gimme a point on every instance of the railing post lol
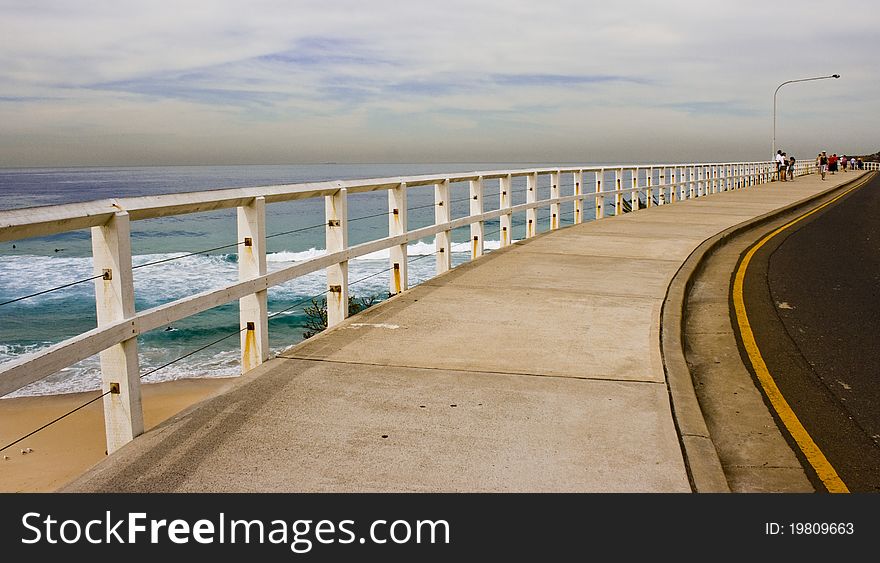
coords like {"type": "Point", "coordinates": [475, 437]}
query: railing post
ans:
{"type": "Point", "coordinates": [682, 182]}
{"type": "Point", "coordinates": [701, 181]}
{"type": "Point", "coordinates": [686, 188]}
{"type": "Point", "coordinates": [618, 197]}
{"type": "Point", "coordinates": [442, 214]}
{"type": "Point", "coordinates": [681, 191]}
{"type": "Point", "coordinates": [554, 193]}
{"type": "Point", "coordinates": [715, 179]}
{"type": "Point", "coordinates": [677, 188]}
{"type": "Point", "coordinates": [661, 197]}
{"type": "Point", "coordinates": [399, 280]}
{"type": "Point", "coordinates": [253, 312]}
{"type": "Point", "coordinates": [477, 229]}
{"type": "Point", "coordinates": [649, 193]}
{"type": "Point", "coordinates": [600, 199]}
{"type": "Point", "coordinates": [577, 179]}
{"type": "Point", "coordinates": [634, 195]}
{"type": "Point", "coordinates": [531, 197]}
{"type": "Point", "coordinates": [704, 180]}
{"type": "Point", "coordinates": [505, 220]}
{"type": "Point", "coordinates": [692, 182]}
{"type": "Point", "coordinates": [114, 297]}
{"type": "Point", "coordinates": [336, 212]}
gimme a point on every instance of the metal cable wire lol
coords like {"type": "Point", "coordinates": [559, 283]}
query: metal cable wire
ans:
{"type": "Point", "coordinates": [383, 214]}
{"type": "Point", "coordinates": [299, 230]}
{"type": "Point", "coordinates": [188, 354]}
{"type": "Point", "coordinates": [29, 434]}
{"type": "Point", "coordinates": [460, 199]}
{"type": "Point", "coordinates": [298, 303]}
{"type": "Point", "coordinates": [186, 255]}
{"type": "Point", "coordinates": [422, 206]}
{"type": "Point", "coordinates": [51, 290]}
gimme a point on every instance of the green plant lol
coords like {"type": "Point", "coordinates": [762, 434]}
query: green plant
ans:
{"type": "Point", "coordinates": [316, 313]}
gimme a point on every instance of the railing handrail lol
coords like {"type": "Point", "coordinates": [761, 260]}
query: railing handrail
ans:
{"type": "Point", "coordinates": [109, 219]}
{"type": "Point", "coordinates": [21, 223]}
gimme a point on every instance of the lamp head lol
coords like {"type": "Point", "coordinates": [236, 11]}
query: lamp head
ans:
{"type": "Point", "coordinates": [835, 76]}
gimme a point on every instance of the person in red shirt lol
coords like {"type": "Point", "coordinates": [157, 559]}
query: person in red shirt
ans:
{"type": "Point", "coordinates": [832, 163]}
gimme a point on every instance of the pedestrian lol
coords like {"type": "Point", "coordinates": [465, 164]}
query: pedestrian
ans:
{"type": "Point", "coordinates": [860, 164]}
{"type": "Point", "coordinates": [780, 165]}
{"type": "Point", "coordinates": [822, 163]}
{"type": "Point", "coordinates": [832, 163]}
{"type": "Point", "coordinates": [843, 162]}
{"type": "Point", "coordinates": [791, 162]}
{"type": "Point", "coordinates": [852, 163]}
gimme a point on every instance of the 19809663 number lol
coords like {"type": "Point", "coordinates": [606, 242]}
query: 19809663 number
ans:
{"type": "Point", "coordinates": [809, 528]}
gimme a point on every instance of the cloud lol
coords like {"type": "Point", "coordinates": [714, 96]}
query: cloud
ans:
{"type": "Point", "coordinates": [562, 80]}
{"type": "Point", "coordinates": [716, 108]}
{"type": "Point", "coordinates": [438, 74]}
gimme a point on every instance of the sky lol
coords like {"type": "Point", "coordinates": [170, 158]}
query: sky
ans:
{"type": "Point", "coordinates": [86, 83]}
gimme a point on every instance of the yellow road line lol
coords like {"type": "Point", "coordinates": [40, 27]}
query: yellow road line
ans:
{"type": "Point", "coordinates": [811, 451]}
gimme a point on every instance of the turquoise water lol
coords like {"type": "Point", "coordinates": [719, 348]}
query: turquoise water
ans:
{"type": "Point", "coordinates": [32, 265]}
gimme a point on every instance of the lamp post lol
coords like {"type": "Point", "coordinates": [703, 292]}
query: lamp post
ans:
{"type": "Point", "coordinates": [774, 102]}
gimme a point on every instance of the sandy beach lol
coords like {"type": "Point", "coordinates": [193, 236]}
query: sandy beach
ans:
{"type": "Point", "coordinates": [66, 449]}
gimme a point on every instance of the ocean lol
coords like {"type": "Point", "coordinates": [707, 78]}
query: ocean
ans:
{"type": "Point", "coordinates": [38, 264]}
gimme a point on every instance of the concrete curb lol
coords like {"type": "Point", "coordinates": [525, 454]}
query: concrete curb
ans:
{"type": "Point", "coordinates": [701, 458]}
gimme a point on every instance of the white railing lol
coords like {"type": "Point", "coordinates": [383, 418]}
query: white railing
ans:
{"type": "Point", "coordinates": [119, 324]}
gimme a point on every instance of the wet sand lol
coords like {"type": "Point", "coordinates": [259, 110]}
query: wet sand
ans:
{"type": "Point", "coordinates": [66, 449]}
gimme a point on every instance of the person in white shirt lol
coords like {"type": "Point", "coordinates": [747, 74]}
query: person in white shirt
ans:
{"type": "Point", "coordinates": [780, 165]}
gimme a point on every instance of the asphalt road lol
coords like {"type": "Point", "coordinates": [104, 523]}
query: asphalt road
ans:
{"type": "Point", "coordinates": [813, 299]}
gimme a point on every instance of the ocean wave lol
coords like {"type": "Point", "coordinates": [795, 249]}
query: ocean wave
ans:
{"type": "Point", "coordinates": [86, 375]}
{"type": "Point", "coordinates": [418, 248]}
{"type": "Point", "coordinates": [167, 281]}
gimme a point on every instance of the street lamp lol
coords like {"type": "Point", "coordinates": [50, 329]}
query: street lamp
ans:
{"type": "Point", "coordinates": [774, 102]}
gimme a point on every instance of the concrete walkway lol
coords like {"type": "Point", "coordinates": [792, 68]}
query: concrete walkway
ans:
{"type": "Point", "coordinates": [535, 368]}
